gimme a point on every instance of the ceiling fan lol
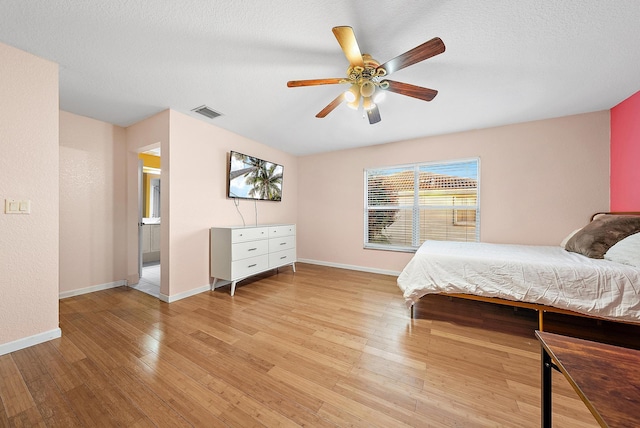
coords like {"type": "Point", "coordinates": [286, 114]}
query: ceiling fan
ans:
{"type": "Point", "coordinates": [367, 76]}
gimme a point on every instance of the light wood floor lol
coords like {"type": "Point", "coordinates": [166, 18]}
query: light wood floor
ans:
{"type": "Point", "coordinates": [323, 347]}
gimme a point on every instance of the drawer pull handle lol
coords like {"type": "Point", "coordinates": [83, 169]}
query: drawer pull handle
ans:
{"type": "Point", "coordinates": [252, 249]}
{"type": "Point", "coordinates": [283, 257]}
{"type": "Point", "coordinates": [253, 265]}
{"type": "Point", "coordinates": [283, 243]}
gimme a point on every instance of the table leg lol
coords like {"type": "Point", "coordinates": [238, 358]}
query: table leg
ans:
{"type": "Point", "coordinates": [546, 389]}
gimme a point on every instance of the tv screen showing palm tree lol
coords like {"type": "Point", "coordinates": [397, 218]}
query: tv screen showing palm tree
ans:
{"type": "Point", "coordinates": [254, 178]}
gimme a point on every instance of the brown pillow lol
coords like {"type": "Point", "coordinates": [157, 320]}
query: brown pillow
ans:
{"type": "Point", "coordinates": [597, 237]}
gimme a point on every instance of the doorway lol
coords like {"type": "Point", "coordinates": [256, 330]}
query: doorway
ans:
{"type": "Point", "coordinates": [149, 222]}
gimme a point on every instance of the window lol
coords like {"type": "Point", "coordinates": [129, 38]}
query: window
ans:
{"type": "Point", "coordinates": [406, 205]}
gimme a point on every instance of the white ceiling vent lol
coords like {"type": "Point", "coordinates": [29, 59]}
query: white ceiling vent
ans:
{"type": "Point", "coordinates": [206, 111]}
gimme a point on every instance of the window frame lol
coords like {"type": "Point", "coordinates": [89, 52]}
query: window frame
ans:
{"type": "Point", "coordinates": [415, 206]}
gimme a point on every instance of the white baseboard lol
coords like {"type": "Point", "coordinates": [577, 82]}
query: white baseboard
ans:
{"type": "Point", "coordinates": [184, 295]}
{"type": "Point", "coordinates": [16, 345]}
{"type": "Point", "coordinates": [350, 267]}
{"type": "Point", "coordinates": [220, 283]}
{"type": "Point", "coordinates": [91, 289]}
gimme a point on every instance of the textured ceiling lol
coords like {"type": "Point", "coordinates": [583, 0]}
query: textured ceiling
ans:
{"type": "Point", "coordinates": [505, 61]}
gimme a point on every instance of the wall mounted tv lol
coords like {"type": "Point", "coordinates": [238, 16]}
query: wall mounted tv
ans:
{"type": "Point", "coordinates": [253, 178]}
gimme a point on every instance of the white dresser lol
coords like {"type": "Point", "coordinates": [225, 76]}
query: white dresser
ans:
{"type": "Point", "coordinates": [240, 252]}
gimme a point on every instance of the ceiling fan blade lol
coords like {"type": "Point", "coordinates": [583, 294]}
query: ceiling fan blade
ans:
{"type": "Point", "coordinates": [314, 82]}
{"type": "Point", "coordinates": [409, 90]}
{"type": "Point", "coordinates": [349, 45]}
{"type": "Point", "coordinates": [374, 115]}
{"type": "Point", "coordinates": [426, 50]}
{"type": "Point", "coordinates": [331, 106]}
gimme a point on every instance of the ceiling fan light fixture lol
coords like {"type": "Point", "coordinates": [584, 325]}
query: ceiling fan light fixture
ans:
{"type": "Point", "coordinates": [367, 88]}
{"type": "Point", "coordinates": [354, 104]}
{"type": "Point", "coordinates": [352, 93]}
{"type": "Point", "coordinates": [378, 96]}
{"type": "Point", "coordinates": [367, 103]}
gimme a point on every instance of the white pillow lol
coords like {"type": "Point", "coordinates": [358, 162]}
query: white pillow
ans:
{"type": "Point", "coordinates": [626, 251]}
{"type": "Point", "coordinates": [565, 240]}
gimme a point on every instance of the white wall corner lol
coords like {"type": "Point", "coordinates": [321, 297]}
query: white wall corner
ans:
{"type": "Point", "coordinates": [180, 296]}
{"type": "Point", "coordinates": [133, 279]}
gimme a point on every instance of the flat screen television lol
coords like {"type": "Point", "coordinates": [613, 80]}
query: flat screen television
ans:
{"type": "Point", "coordinates": [253, 178]}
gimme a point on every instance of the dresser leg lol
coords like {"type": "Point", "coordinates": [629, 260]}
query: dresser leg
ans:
{"type": "Point", "coordinates": [293, 265]}
{"type": "Point", "coordinates": [213, 284]}
{"type": "Point", "coordinates": [233, 287]}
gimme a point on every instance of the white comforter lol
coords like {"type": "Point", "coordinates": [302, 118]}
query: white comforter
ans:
{"type": "Point", "coordinates": [535, 274]}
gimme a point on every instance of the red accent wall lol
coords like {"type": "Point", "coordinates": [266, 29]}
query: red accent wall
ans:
{"type": "Point", "coordinates": [625, 155]}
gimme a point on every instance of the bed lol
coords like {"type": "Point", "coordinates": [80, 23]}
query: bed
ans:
{"type": "Point", "coordinates": [594, 273]}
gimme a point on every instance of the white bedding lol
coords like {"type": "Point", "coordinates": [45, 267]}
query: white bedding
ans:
{"type": "Point", "coordinates": [535, 274]}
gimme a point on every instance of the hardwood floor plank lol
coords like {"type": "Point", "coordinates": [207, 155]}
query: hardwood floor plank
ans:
{"type": "Point", "coordinates": [68, 349]}
{"type": "Point", "coordinates": [51, 403]}
{"type": "Point", "coordinates": [29, 365]}
{"type": "Point", "coordinates": [235, 353]}
{"type": "Point", "coordinates": [169, 390]}
{"type": "Point", "coordinates": [90, 409]}
{"type": "Point", "coordinates": [13, 390]}
{"type": "Point", "coordinates": [380, 386]}
{"type": "Point", "coordinates": [391, 370]}
{"type": "Point", "coordinates": [364, 412]}
{"type": "Point", "coordinates": [158, 411]}
{"type": "Point", "coordinates": [254, 383]}
{"type": "Point", "coordinates": [339, 417]}
{"type": "Point", "coordinates": [323, 347]}
{"type": "Point", "coordinates": [121, 409]}
{"type": "Point", "coordinates": [4, 418]}
{"type": "Point", "coordinates": [28, 419]}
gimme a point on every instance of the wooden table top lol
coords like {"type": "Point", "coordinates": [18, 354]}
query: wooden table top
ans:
{"type": "Point", "coordinates": [606, 377]}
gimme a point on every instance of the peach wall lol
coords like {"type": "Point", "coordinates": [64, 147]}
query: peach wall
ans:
{"type": "Point", "coordinates": [198, 157]}
{"type": "Point", "coordinates": [28, 170]}
{"type": "Point", "coordinates": [539, 181]}
{"type": "Point", "coordinates": [92, 203]}
{"type": "Point", "coordinates": [625, 155]}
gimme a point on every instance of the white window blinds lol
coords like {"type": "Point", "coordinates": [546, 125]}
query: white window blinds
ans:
{"type": "Point", "coordinates": [406, 205]}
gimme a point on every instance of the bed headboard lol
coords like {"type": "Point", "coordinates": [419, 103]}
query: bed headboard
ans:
{"type": "Point", "coordinates": [615, 213]}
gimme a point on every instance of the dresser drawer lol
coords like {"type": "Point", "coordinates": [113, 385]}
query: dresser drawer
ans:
{"type": "Point", "coordinates": [280, 258]}
{"type": "Point", "coordinates": [283, 243]}
{"type": "Point", "coordinates": [243, 250]}
{"type": "Point", "coordinates": [249, 234]}
{"type": "Point", "coordinates": [276, 231]}
{"type": "Point", "coordinates": [250, 266]}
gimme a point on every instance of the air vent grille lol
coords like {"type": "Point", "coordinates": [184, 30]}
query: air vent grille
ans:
{"type": "Point", "coordinates": [206, 111]}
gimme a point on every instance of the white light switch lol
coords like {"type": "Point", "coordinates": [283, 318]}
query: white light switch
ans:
{"type": "Point", "coordinates": [25, 207]}
{"type": "Point", "coordinates": [12, 206]}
